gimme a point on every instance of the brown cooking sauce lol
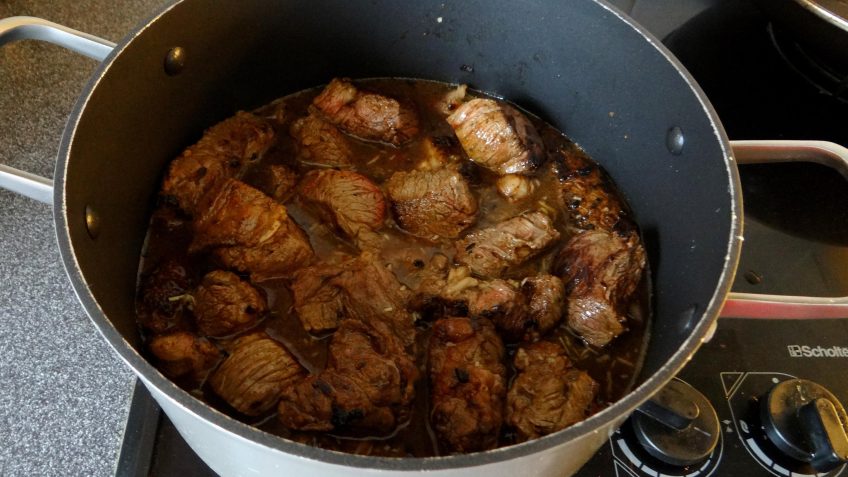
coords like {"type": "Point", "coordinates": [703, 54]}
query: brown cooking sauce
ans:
{"type": "Point", "coordinates": [615, 367]}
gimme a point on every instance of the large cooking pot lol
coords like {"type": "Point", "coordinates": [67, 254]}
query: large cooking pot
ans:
{"type": "Point", "coordinates": [581, 65]}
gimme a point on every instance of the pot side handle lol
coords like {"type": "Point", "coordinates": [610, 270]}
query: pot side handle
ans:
{"type": "Point", "coordinates": [31, 28]}
{"type": "Point", "coordinates": [751, 305]}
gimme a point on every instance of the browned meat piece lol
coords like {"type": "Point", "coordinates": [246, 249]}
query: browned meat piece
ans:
{"type": "Point", "coordinates": [350, 200]}
{"type": "Point", "coordinates": [493, 250]}
{"type": "Point", "coordinates": [467, 384]}
{"type": "Point", "coordinates": [497, 300]}
{"type": "Point", "coordinates": [520, 313]}
{"type": "Point", "coordinates": [366, 115]}
{"type": "Point", "coordinates": [369, 384]}
{"type": "Point", "coordinates": [182, 354]}
{"type": "Point", "coordinates": [547, 394]}
{"type": "Point", "coordinates": [256, 372]}
{"type": "Point", "coordinates": [373, 293]}
{"type": "Point", "coordinates": [587, 194]}
{"type": "Point", "coordinates": [515, 188]}
{"type": "Point", "coordinates": [250, 232]}
{"type": "Point", "coordinates": [317, 301]}
{"type": "Point", "coordinates": [501, 302]}
{"type": "Point", "coordinates": [545, 296]}
{"type": "Point", "coordinates": [320, 143]}
{"type": "Point", "coordinates": [362, 289]}
{"type": "Point", "coordinates": [601, 271]}
{"type": "Point", "coordinates": [446, 291]}
{"type": "Point", "coordinates": [161, 298]}
{"type": "Point", "coordinates": [224, 304]}
{"type": "Point", "coordinates": [438, 152]}
{"type": "Point", "coordinates": [280, 183]}
{"type": "Point", "coordinates": [221, 153]}
{"type": "Point", "coordinates": [491, 299]}
{"type": "Point", "coordinates": [429, 294]}
{"type": "Point", "coordinates": [432, 204]}
{"type": "Point", "coordinates": [497, 136]}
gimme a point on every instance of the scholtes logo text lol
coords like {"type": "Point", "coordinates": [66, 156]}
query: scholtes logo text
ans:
{"type": "Point", "coordinates": [804, 351]}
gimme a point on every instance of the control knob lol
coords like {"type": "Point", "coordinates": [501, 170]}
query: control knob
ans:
{"type": "Point", "coordinates": [678, 426]}
{"type": "Point", "coordinates": [807, 422]}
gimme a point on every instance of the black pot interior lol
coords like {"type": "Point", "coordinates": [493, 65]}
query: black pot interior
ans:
{"type": "Point", "coordinates": [574, 63]}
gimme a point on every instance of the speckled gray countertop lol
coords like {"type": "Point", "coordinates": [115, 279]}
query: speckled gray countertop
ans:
{"type": "Point", "coordinates": [64, 394]}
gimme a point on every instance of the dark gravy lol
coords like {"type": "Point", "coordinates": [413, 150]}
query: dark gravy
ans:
{"type": "Point", "coordinates": [614, 367]}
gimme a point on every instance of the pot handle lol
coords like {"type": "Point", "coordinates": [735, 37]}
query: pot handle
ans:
{"type": "Point", "coordinates": [31, 28]}
{"type": "Point", "coordinates": [751, 305]}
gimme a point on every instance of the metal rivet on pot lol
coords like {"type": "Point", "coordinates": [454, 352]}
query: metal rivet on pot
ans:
{"type": "Point", "coordinates": [175, 61]}
{"type": "Point", "coordinates": [92, 222]}
{"type": "Point", "coordinates": [674, 140]}
{"type": "Point", "coordinates": [753, 277]}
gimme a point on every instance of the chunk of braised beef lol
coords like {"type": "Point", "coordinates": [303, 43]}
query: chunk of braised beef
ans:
{"type": "Point", "coordinates": [362, 288]}
{"type": "Point", "coordinates": [445, 290]}
{"type": "Point", "coordinates": [516, 188]}
{"type": "Point", "coordinates": [372, 292]}
{"type": "Point", "coordinates": [280, 182]}
{"type": "Point", "coordinates": [349, 199]}
{"type": "Point", "coordinates": [222, 153]}
{"type": "Point", "coordinates": [161, 304]}
{"type": "Point", "coordinates": [319, 143]}
{"type": "Point", "coordinates": [497, 136]}
{"type": "Point", "coordinates": [432, 204]}
{"type": "Point", "coordinates": [587, 194]}
{"type": "Point", "coordinates": [547, 394]}
{"type": "Point", "coordinates": [183, 354]}
{"type": "Point", "coordinates": [601, 271]}
{"type": "Point", "coordinates": [225, 304]}
{"type": "Point", "coordinates": [522, 312]}
{"type": "Point", "coordinates": [501, 302]}
{"type": "Point", "coordinates": [493, 251]}
{"type": "Point", "coordinates": [429, 297]}
{"type": "Point", "coordinates": [250, 232]}
{"type": "Point", "coordinates": [368, 384]}
{"type": "Point", "coordinates": [545, 296]}
{"type": "Point", "coordinates": [367, 115]}
{"type": "Point", "coordinates": [317, 301]}
{"type": "Point", "coordinates": [467, 384]}
{"type": "Point", "coordinates": [257, 370]}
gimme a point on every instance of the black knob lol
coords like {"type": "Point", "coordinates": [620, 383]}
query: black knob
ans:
{"type": "Point", "coordinates": [678, 425]}
{"type": "Point", "coordinates": [807, 422]}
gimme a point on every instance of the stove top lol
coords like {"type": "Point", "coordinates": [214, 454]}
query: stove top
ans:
{"type": "Point", "coordinates": [734, 371]}
{"type": "Point", "coordinates": [796, 243]}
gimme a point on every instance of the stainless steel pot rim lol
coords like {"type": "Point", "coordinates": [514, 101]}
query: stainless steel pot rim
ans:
{"type": "Point", "coordinates": [828, 11]}
{"type": "Point", "coordinates": [699, 333]}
